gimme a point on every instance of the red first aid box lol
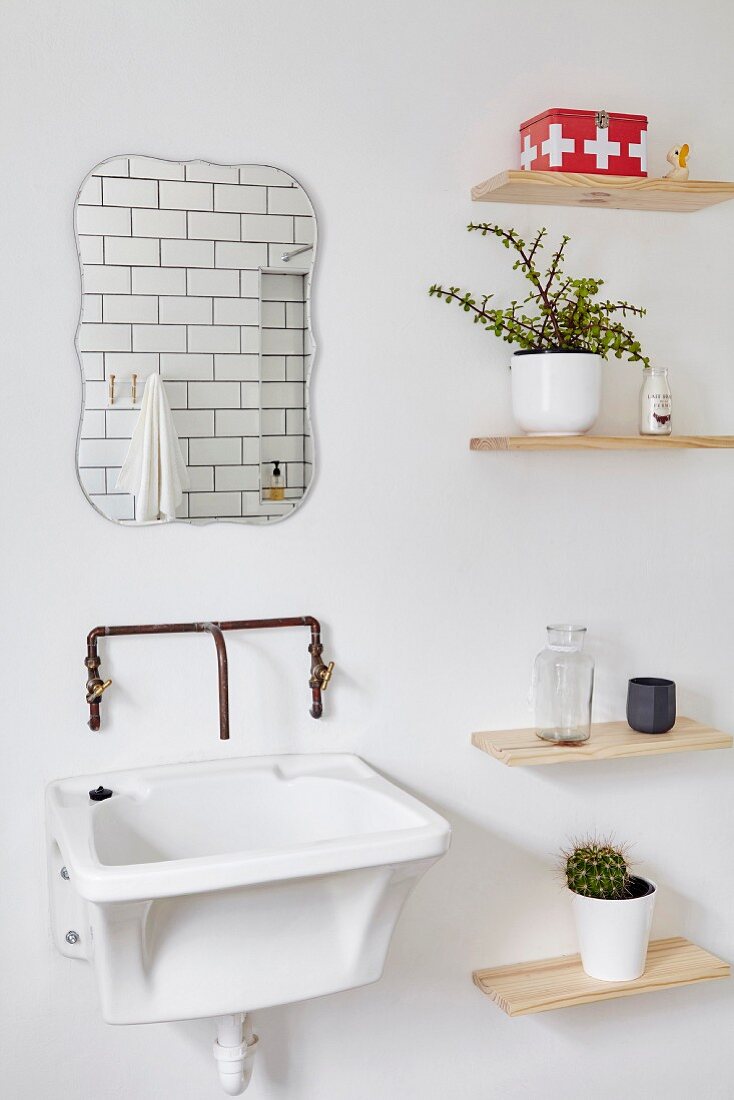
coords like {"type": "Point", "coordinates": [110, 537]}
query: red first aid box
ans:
{"type": "Point", "coordinates": [594, 142]}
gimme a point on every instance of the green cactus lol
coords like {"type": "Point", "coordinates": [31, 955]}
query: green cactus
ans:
{"type": "Point", "coordinates": [597, 869]}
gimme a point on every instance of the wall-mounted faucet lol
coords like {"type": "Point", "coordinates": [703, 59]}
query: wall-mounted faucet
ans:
{"type": "Point", "coordinates": [318, 680]}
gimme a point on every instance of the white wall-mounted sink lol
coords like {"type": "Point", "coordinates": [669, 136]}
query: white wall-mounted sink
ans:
{"type": "Point", "coordinates": [219, 887]}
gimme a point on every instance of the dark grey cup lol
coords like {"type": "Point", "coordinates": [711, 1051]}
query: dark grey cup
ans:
{"type": "Point", "coordinates": [651, 704]}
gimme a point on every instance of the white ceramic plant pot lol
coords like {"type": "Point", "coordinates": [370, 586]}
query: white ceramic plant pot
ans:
{"type": "Point", "coordinates": [613, 935]}
{"type": "Point", "coordinates": [555, 392]}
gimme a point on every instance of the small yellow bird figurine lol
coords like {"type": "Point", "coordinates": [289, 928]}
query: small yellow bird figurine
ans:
{"type": "Point", "coordinates": [678, 157]}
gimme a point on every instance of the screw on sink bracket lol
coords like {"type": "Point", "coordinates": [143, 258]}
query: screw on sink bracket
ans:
{"type": "Point", "coordinates": [64, 874]}
{"type": "Point", "coordinates": [72, 936]}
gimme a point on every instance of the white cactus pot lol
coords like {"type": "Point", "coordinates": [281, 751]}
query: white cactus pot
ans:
{"type": "Point", "coordinates": [613, 935]}
{"type": "Point", "coordinates": [555, 392]}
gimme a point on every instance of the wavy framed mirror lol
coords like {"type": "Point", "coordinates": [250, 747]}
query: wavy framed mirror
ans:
{"type": "Point", "coordinates": [194, 341]}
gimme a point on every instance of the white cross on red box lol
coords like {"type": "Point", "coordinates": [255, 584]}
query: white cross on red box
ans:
{"type": "Point", "coordinates": [556, 145]}
{"type": "Point", "coordinates": [601, 147]}
{"type": "Point", "coordinates": [528, 153]}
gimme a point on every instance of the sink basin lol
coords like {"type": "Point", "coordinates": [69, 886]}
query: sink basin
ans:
{"type": "Point", "coordinates": [225, 886]}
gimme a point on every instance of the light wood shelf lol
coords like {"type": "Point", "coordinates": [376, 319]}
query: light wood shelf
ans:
{"type": "Point", "coordinates": [548, 984]}
{"type": "Point", "coordinates": [609, 741]}
{"type": "Point", "coordinates": [600, 442]}
{"type": "Point", "coordinates": [615, 192]}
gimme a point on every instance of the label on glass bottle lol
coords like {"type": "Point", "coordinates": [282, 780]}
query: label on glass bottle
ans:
{"type": "Point", "coordinates": [656, 406]}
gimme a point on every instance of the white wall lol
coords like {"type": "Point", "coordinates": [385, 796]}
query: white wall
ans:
{"type": "Point", "coordinates": [433, 569]}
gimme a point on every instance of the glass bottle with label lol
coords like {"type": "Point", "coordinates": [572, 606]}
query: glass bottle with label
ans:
{"type": "Point", "coordinates": [656, 405]}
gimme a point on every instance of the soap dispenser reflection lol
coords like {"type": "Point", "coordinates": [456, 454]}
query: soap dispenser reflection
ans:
{"type": "Point", "coordinates": [276, 489]}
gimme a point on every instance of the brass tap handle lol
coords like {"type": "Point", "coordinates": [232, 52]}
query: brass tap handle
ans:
{"type": "Point", "coordinates": [326, 674]}
{"type": "Point", "coordinates": [98, 690]}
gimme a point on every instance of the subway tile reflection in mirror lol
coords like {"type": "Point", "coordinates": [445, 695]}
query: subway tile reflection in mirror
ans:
{"type": "Point", "coordinates": [200, 273]}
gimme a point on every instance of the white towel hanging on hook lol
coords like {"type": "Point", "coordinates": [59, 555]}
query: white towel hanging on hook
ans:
{"type": "Point", "coordinates": [154, 469]}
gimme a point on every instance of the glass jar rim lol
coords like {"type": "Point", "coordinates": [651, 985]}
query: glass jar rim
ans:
{"type": "Point", "coordinates": [567, 628]}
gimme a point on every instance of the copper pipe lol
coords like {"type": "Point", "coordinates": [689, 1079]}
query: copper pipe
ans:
{"type": "Point", "coordinates": [93, 679]}
{"type": "Point", "coordinates": [223, 678]}
{"type": "Point", "coordinates": [319, 673]}
{"type": "Point", "coordinates": [314, 682]}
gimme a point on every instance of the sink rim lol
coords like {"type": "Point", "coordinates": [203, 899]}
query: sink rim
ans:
{"type": "Point", "coordinates": [71, 827]}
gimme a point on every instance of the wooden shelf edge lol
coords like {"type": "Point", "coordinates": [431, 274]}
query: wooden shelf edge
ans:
{"type": "Point", "coordinates": [600, 442]}
{"type": "Point", "coordinates": [615, 192]}
{"type": "Point", "coordinates": [522, 748]}
{"type": "Point", "coordinates": [544, 985]}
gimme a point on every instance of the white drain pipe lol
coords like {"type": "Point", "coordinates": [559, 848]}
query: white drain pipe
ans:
{"type": "Point", "coordinates": [234, 1050]}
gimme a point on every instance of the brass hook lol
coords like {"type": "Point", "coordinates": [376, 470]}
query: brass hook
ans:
{"type": "Point", "coordinates": [134, 388]}
{"type": "Point", "coordinates": [112, 389]}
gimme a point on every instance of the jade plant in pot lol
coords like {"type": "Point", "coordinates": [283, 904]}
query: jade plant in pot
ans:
{"type": "Point", "coordinates": [612, 909]}
{"type": "Point", "coordinates": [562, 330]}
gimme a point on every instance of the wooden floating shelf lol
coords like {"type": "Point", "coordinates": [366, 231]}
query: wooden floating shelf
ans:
{"type": "Point", "coordinates": [615, 192]}
{"type": "Point", "coordinates": [600, 442]}
{"type": "Point", "coordinates": [561, 982]}
{"type": "Point", "coordinates": [608, 741]}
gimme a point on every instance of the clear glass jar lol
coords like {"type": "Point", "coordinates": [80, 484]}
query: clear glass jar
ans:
{"type": "Point", "coordinates": [563, 684]}
{"type": "Point", "coordinates": [656, 405]}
